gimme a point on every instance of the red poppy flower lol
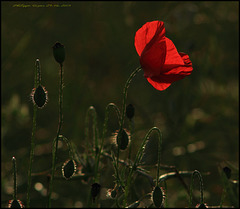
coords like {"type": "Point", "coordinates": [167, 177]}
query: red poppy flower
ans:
{"type": "Point", "coordinates": [159, 58]}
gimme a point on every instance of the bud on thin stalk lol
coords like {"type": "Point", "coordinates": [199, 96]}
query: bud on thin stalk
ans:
{"type": "Point", "coordinates": [59, 52]}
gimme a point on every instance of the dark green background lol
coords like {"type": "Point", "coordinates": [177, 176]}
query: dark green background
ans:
{"type": "Point", "coordinates": [100, 56]}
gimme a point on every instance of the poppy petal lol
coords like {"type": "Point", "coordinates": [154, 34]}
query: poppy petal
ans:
{"type": "Point", "coordinates": [161, 62]}
{"type": "Point", "coordinates": [158, 85]}
{"type": "Point", "coordinates": [151, 47]}
{"type": "Point", "coordinates": [176, 63]}
{"type": "Point", "coordinates": [146, 33]}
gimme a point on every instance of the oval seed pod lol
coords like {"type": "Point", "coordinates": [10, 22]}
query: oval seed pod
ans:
{"type": "Point", "coordinates": [59, 52]}
{"type": "Point", "coordinates": [122, 139]}
{"type": "Point", "coordinates": [39, 96]}
{"type": "Point", "coordinates": [227, 171]}
{"type": "Point", "coordinates": [130, 111]}
{"type": "Point", "coordinates": [95, 190]}
{"type": "Point", "coordinates": [68, 169]}
{"type": "Point", "coordinates": [158, 197]}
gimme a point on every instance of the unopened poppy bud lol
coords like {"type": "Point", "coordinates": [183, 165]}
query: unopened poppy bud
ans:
{"type": "Point", "coordinates": [227, 171]}
{"type": "Point", "coordinates": [130, 111]}
{"type": "Point", "coordinates": [59, 52]}
{"type": "Point", "coordinates": [113, 193]}
{"type": "Point", "coordinates": [68, 169]}
{"type": "Point", "coordinates": [15, 204]}
{"type": "Point", "coordinates": [39, 96]}
{"type": "Point", "coordinates": [158, 197]}
{"type": "Point", "coordinates": [122, 139]}
{"type": "Point", "coordinates": [95, 190]}
{"type": "Point", "coordinates": [202, 205]}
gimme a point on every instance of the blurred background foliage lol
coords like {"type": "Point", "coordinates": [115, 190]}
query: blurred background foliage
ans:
{"type": "Point", "coordinates": [198, 116]}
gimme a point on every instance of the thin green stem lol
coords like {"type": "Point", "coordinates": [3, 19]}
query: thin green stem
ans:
{"type": "Point", "coordinates": [201, 187]}
{"type": "Point", "coordinates": [92, 110]}
{"type": "Point", "coordinates": [166, 195]}
{"type": "Point", "coordinates": [54, 155]}
{"type": "Point", "coordinates": [87, 128]}
{"type": "Point", "coordinates": [104, 131]}
{"type": "Point", "coordinates": [124, 110]}
{"type": "Point", "coordinates": [125, 94]}
{"type": "Point", "coordinates": [131, 134]}
{"type": "Point", "coordinates": [222, 197]}
{"type": "Point", "coordinates": [31, 155]}
{"type": "Point", "coordinates": [14, 178]}
{"type": "Point", "coordinates": [159, 151]}
{"type": "Point", "coordinates": [70, 151]}
{"type": "Point", "coordinates": [37, 81]}
{"type": "Point", "coordinates": [139, 157]}
{"type": "Point", "coordinates": [140, 151]}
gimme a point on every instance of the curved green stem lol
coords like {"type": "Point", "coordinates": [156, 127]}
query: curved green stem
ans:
{"type": "Point", "coordinates": [201, 186]}
{"type": "Point", "coordinates": [140, 151]}
{"type": "Point", "coordinates": [54, 155]}
{"type": "Point", "coordinates": [139, 157]}
{"type": "Point", "coordinates": [70, 151]}
{"type": "Point", "coordinates": [124, 109]}
{"type": "Point", "coordinates": [105, 130]}
{"type": "Point", "coordinates": [125, 94]}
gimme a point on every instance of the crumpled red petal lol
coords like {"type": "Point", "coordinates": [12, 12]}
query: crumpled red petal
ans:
{"type": "Point", "coordinates": [151, 47]}
{"type": "Point", "coordinates": [176, 67]}
{"type": "Point", "coordinates": [176, 73]}
{"type": "Point", "coordinates": [176, 63]}
{"type": "Point", "coordinates": [159, 85]}
{"type": "Point", "coordinates": [159, 58]}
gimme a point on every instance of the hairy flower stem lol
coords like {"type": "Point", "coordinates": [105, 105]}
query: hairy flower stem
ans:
{"type": "Point", "coordinates": [37, 81]}
{"type": "Point", "coordinates": [104, 133]}
{"type": "Point", "coordinates": [139, 157]}
{"type": "Point", "coordinates": [91, 110]}
{"type": "Point", "coordinates": [14, 178]}
{"type": "Point", "coordinates": [125, 94]}
{"type": "Point", "coordinates": [124, 103]}
{"type": "Point", "coordinates": [131, 134]}
{"type": "Point", "coordinates": [54, 154]}
{"type": "Point", "coordinates": [31, 154]}
{"type": "Point", "coordinates": [201, 187]}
